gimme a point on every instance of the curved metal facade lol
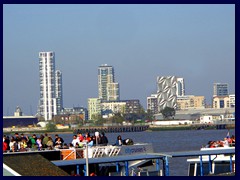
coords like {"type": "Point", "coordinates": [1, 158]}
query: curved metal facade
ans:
{"type": "Point", "coordinates": [167, 92]}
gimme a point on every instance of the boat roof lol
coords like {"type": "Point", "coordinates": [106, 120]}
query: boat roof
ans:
{"type": "Point", "coordinates": [200, 152]}
{"type": "Point", "coordinates": [111, 159]}
{"type": "Point", "coordinates": [217, 159]}
{"type": "Point", "coordinates": [146, 156]}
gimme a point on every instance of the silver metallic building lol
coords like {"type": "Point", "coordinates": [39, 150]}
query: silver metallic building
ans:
{"type": "Point", "coordinates": [166, 92]}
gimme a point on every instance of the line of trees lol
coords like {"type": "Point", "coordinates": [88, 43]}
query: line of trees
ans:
{"type": "Point", "coordinates": [118, 118]}
{"type": "Point", "coordinates": [167, 113]}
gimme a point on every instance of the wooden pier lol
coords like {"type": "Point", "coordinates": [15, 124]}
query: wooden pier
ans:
{"type": "Point", "coordinates": [111, 129]}
{"type": "Point", "coordinates": [212, 126]}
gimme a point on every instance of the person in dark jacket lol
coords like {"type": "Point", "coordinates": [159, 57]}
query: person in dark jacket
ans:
{"type": "Point", "coordinates": [104, 139]}
{"type": "Point", "coordinates": [56, 138]}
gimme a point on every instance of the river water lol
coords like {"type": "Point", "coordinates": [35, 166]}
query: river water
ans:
{"type": "Point", "coordinates": [170, 141]}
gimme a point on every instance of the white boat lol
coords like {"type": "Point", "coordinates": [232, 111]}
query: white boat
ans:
{"type": "Point", "coordinates": [98, 152]}
{"type": "Point", "coordinates": [110, 151]}
{"type": "Point", "coordinates": [212, 164]}
{"type": "Point", "coordinates": [106, 151]}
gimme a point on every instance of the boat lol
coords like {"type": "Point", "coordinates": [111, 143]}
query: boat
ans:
{"type": "Point", "coordinates": [135, 159]}
{"type": "Point", "coordinates": [97, 152]}
{"type": "Point", "coordinates": [216, 164]}
{"type": "Point", "coordinates": [73, 161]}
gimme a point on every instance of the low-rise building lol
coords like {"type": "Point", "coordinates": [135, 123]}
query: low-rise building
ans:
{"type": "Point", "coordinates": [206, 119]}
{"type": "Point", "coordinates": [190, 102]}
{"type": "Point", "coordinates": [94, 107]}
{"type": "Point", "coordinates": [152, 104]}
{"type": "Point", "coordinates": [19, 120]}
{"type": "Point", "coordinates": [114, 106]}
{"type": "Point", "coordinates": [223, 102]}
{"type": "Point", "coordinates": [132, 106]}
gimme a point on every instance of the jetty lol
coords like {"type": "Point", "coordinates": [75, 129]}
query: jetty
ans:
{"type": "Point", "coordinates": [111, 129]}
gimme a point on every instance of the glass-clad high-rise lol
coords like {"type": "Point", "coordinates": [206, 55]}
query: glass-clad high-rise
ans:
{"type": "Point", "coordinates": [220, 89]}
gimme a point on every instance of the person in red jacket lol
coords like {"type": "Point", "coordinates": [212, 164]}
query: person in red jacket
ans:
{"type": "Point", "coordinates": [5, 146]}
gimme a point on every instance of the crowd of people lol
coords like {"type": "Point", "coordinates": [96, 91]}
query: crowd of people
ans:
{"type": "Point", "coordinates": [226, 142]}
{"type": "Point", "coordinates": [79, 140]}
{"type": "Point", "coordinates": [21, 143]}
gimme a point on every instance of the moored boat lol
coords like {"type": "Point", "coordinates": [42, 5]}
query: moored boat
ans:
{"type": "Point", "coordinates": [216, 164]}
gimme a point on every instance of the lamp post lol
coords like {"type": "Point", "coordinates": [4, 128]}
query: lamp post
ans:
{"type": "Point", "coordinates": [87, 168]}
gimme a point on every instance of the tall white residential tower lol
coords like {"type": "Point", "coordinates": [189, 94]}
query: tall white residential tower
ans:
{"type": "Point", "coordinates": [50, 86]}
{"type": "Point", "coordinates": [108, 89]}
{"type": "Point", "coordinates": [180, 86]}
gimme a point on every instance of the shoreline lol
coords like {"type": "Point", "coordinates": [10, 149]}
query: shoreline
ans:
{"type": "Point", "coordinates": [150, 129]}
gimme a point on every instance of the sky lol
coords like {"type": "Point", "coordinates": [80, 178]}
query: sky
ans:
{"type": "Point", "coordinates": [141, 41]}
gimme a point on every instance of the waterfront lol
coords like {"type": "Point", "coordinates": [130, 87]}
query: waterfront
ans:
{"type": "Point", "coordinates": [169, 141]}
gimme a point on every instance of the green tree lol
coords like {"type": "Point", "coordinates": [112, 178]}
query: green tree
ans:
{"type": "Point", "coordinates": [51, 127]}
{"type": "Point", "coordinates": [168, 112]}
{"type": "Point", "coordinates": [118, 118]}
{"type": "Point", "coordinates": [149, 115]}
{"type": "Point", "coordinates": [100, 122]}
{"type": "Point", "coordinates": [96, 117]}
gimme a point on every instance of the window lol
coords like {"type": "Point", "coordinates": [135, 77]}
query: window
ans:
{"type": "Point", "coordinates": [221, 103]}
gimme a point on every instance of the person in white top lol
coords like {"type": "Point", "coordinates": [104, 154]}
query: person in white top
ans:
{"type": "Point", "coordinates": [225, 143]}
{"type": "Point", "coordinates": [75, 140]}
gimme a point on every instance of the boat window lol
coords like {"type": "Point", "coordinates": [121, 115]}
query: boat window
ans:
{"type": "Point", "coordinates": [222, 167]}
{"type": "Point", "coordinates": [191, 169]}
{"type": "Point", "coordinates": [205, 169]}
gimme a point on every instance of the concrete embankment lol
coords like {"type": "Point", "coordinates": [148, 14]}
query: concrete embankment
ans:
{"type": "Point", "coordinates": [191, 127]}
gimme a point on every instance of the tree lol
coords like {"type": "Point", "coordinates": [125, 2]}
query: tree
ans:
{"type": "Point", "coordinates": [51, 127]}
{"type": "Point", "coordinates": [118, 118]}
{"type": "Point", "coordinates": [96, 117]}
{"type": "Point", "coordinates": [100, 122]}
{"type": "Point", "coordinates": [149, 115]}
{"type": "Point", "coordinates": [168, 112]}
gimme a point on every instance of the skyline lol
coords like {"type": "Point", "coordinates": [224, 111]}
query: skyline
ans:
{"type": "Point", "coordinates": [141, 42]}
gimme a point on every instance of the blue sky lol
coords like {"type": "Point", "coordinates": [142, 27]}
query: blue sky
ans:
{"type": "Point", "coordinates": [141, 42]}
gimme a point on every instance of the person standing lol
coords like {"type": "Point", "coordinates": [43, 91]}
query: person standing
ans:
{"type": "Point", "coordinates": [80, 137]}
{"type": "Point", "coordinates": [45, 140]}
{"type": "Point", "coordinates": [50, 143]}
{"type": "Point", "coordinates": [5, 146]}
{"type": "Point", "coordinates": [33, 140]}
{"type": "Point", "coordinates": [97, 138]}
{"type": "Point", "coordinates": [87, 137]}
{"type": "Point", "coordinates": [56, 138]}
{"type": "Point", "coordinates": [58, 143]}
{"type": "Point", "coordinates": [104, 139]}
{"type": "Point", "coordinates": [7, 141]}
{"type": "Point", "coordinates": [75, 140]}
{"type": "Point", "coordinates": [13, 145]}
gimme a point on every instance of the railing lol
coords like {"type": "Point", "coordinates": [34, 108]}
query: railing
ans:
{"type": "Point", "coordinates": [93, 152]}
